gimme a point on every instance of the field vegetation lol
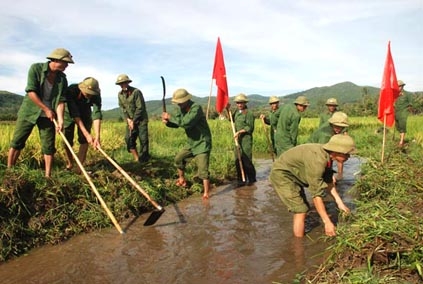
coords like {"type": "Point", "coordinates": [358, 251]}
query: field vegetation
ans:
{"type": "Point", "coordinates": [380, 242]}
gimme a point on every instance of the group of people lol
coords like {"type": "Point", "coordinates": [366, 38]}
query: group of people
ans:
{"type": "Point", "coordinates": [54, 106]}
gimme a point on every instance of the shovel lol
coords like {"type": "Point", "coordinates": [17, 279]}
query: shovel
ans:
{"type": "Point", "coordinates": [155, 215]}
{"type": "Point", "coordinates": [103, 204]}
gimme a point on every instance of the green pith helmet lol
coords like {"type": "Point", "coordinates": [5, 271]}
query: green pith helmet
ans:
{"type": "Point", "coordinates": [340, 143]}
{"type": "Point", "coordinates": [401, 83]}
{"type": "Point", "coordinates": [301, 100]}
{"type": "Point", "coordinates": [181, 96]}
{"type": "Point", "coordinates": [61, 54]}
{"type": "Point", "coordinates": [332, 102]}
{"type": "Point", "coordinates": [273, 99]}
{"type": "Point", "coordinates": [339, 118]}
{"type": "Point", "coordinates": [122, 78]}
{"type": "Point", "coordinates": [241, 98]}
{"type": "Point", "coordinates": [90, 86]}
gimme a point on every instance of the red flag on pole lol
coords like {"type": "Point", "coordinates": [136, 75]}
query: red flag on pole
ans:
{"type": "Point", "coordinates": [219, 74]}
{"type": "Point", "coordinates": [389, 91]}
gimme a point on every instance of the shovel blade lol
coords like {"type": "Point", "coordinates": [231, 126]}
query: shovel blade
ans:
{"type": "Point", "coordinates": [154, 216]}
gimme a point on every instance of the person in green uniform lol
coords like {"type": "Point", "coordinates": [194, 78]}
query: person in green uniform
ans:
{"type": "Point", "coordinates": [243, 120]}
{"type": "Point", "coordinates": [43, 103]}
{"type": "Point", "coordinates": [308, 165]}
{"type": "Point", "coordinates": [191, 118]}
{"type": "Point", "coordinates": [335, 125]}
{"type": "Point", "coordinates": [332, 107]}
{"type": "Point", "coordinates": [272, 118]}
{"type": "Point", "coordinates": [287, 127]}
{"type": "Point", "coordinates": [403, 106]}
{"type": "Point", "coordinates": [132, 105]}
{"type": "Point", "coordinates": [80, 98]}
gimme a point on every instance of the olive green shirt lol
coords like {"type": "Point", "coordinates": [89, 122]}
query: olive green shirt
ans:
{"type": "Point", "coordinates": [324, 117]}
{"type": "Point", "coordinates": [77, 105]}
{"type": "Point", "coordinates": [322, 134]}
{"type": "Point", "coordinates": [305, 165]}
{"type": "Point", "coordinates": [37, 76]}
{"type": "Point", "coordinates": [272, 120]}
{"type": "Point", "coordinates": [403, 102]}
{"type": "Point", "coordinates": [245, 120]}
{"type": "Point", "coordinates": [194, 122]}
{"type": "Point", "coordinates": [132, 105]}
{"type": "Point", "coordinates": [287, 128]}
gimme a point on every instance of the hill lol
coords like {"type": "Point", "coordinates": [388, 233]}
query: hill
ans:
{"type": "Point", "coordinates": [353, 99]}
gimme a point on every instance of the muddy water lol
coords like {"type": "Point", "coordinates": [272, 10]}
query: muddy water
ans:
{"type": "Point", "coordinates": [239, 236]}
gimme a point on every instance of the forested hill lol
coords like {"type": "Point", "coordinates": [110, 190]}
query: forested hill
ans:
{"type": "Point", "coordinates": [353, 99]}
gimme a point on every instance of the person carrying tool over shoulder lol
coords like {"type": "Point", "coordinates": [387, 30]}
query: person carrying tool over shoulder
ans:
{"type": "Point", "coordinates": [80, 98]}
{"type": "Point", "coordinates": [191, 118]}
{"type": "Point", "coordinates": [43, 103]}
{"type": "Point", "coordinates": [134, 111]}
{"type": "Point", "coordinates": [310, 165]}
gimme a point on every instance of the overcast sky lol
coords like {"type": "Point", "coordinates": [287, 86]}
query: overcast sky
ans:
{"type": "Point", "coordinates": [271, 47]}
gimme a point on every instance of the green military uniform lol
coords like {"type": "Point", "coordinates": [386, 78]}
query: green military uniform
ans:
{"type": "Point", "coordinates": [272, 120]}
{"type": "Point", "coordinates": [30, 114]}
{"type": "Point", "coordinates": [80, 106]}
{"type": "Point", "coordinates": [322, 134]}
{"type": "Point", "coordinates": [193, 121]}
{"type": "Point", "coordinates": [402, 103]}
{"type": "Point", "coordinates": [245, 120]}
{"type": "Point", "coordinates": [287, 128]}
{"type": "Point", "coordinates": [132, 105]}
{"type": "Point", "coordinates": [306, 165]}
{"type": "Point", "coordinates": [324, 117]}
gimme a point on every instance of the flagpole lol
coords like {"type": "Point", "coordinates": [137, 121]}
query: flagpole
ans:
{"type": "Point", "coordinates": [384, 138]}
{"type": "Point", "coordinates": [208, 103]}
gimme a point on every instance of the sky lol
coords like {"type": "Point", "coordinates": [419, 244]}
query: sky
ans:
{"type": "Point", "coordinates": [270, 47]}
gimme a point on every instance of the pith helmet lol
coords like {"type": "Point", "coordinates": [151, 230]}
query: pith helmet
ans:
{"type": "Point", "coordinates": [241, 98]}
{"type": "Point", "coordinates": [339, 118]}
{"type": "Point", "coordinates": [90, 86]}
{"type": "Point", "coordinates": [61, 54]}
{"type": "Point", "coordinates": [340, 143]}
{"type": "Point", "coordinates": [180, 96]}
{"type": "Point", "coordinates": [122, 78]}
{"type": "Point", "coordinates": [301, 100]}
{"type": "Point", "coordinates": [332, 102]}
{"type": "Point", "coordinates": [401, 83]}
{"type": "Point", "coordinates": [273, 99]}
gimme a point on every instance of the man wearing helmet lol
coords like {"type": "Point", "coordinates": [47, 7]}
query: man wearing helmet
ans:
{"type": "Point", "coordinates": [191, 118]}
{"type": "Point", "coordinates": [43, 103]}
{"type": "Point", "coordinates": [132, 105]}
{"type": "Point", "coordinates": [331, 105]}
{"type": "Point", "coordinates": [272, 118]}
{"type": "Point", "coordinates": [244, 128]}
{"type": "Point", "coordinates": [337, 124]}
{"type": "Point", "coordinates": [80, 98]}
{"type": "Point", "coordinates": [403, 106]}
{"type": "Point", "coordinates": [307, 165]}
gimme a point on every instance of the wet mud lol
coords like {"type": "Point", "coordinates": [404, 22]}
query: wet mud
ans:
{"type": "Point", "coordinates": [241, 235]}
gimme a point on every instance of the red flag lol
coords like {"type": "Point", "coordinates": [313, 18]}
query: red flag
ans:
{"type": "Point", "coordinates": [219, 74]}
{"type": "Point", "coordinates": [389, 91]}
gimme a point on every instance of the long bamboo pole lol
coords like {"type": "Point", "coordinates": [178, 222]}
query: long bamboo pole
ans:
{"type": "Point", "coordinates": [103, 204]}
